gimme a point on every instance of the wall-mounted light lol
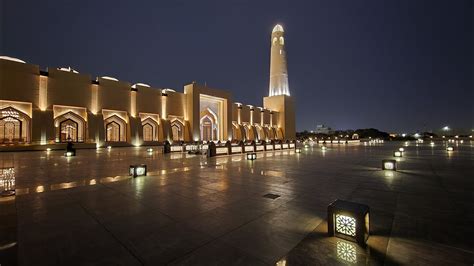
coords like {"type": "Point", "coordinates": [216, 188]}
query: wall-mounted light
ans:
{"type": "Point", "coordinates": [349, 220]}
{"type": "Point", "coordinates": [137, 170]}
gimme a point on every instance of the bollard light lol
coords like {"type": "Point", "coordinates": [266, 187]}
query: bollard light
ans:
{"type": "Point", "coordinates": [349, 220]}
{"type": "Point", "coordinates": [109, 147]}
{"type": "Point", "coordinates": [323, 148]}
{"type": "Point", "coordinates": [251, 156]}
{"type": "Point", "coordinates": [432, 143]}
{"type": "Point", "coordinates": [149, 150]}
{"type": "Point", "coordinates": [449, 148]}
{"type": "Point", "coordinates": [389, 165]}
{"type": "Point", "coordinates": [69, 154]}
{"type": "Point", "coordinates": [298, 150]}
{"type": "Point", "coordinates": [137, 170]}
{"type": "Point", "coordinates": [397, 154]}
{"type": "Point", "coordinates": [48, 149]}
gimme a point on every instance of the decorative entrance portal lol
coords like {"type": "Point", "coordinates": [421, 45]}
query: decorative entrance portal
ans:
{"type": "Point", "coordinates": [14, 126]}
{"type": "Point", "coordinates": [211, 118]}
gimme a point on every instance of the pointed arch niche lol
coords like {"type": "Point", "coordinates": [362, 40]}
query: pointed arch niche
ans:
{"type": "Point", "coordinates": [151, 126]}
{"type": "Point", "coordinates": [14, 126]}
{"type": "Point", "coordinates": [115, 123]}
{"type": "Point", "coordinates": [209, 125]}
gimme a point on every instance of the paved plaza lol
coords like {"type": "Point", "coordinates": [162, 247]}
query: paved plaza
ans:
{"type": "Point", "coordinates": [193, 210]}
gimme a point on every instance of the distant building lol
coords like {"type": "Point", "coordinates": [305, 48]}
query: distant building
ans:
{"type": "Point", "coordinates": [323, 129]}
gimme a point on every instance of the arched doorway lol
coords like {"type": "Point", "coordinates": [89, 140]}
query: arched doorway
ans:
{"type": "Point", "coordinates": [70, 127]}
{"type": "Point", "coordinates": [150, 129]}
{"type": "Point", "coordinates": [14, 126]}
{"type": "Point", "coordinates": [177, 130]}
{"type": "Point", "coordinates": [260, 133]}
{"type": "Point", "coordinates": [209, 125]}
{"type": "Point", "coordinates": [115, 129]}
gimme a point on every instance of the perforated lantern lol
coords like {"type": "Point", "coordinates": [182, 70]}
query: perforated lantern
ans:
{"type": "Point", "coordinates": [137, 170]}
{"type": "Point", "coordinates": [251, 156]}
{"type": "Point", "coordinates": [349, 220]}
{"type": "Point", "coordinates": [389, 165]}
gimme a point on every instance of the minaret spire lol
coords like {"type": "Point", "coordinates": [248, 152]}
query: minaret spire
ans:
{"type": "Point", "coordinates": [278, 70]}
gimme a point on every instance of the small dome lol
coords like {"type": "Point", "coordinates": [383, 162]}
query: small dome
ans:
{"type": "Point", "coordinates": [278, 28]}
{"type": "Point", "coordinates": [4, 57]}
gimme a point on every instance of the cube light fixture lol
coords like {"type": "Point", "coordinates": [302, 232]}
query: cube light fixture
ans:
{"type": "Point", "coordinates": [389, 165]}
{"type": "Point", "coordinates": [138, 170]}
{"type": "Point", "coordinates": [349, 220]}
{"type": "Point", "coordinates": [397, 154]}
{"type": "Point", "coordinates": [251, 156]}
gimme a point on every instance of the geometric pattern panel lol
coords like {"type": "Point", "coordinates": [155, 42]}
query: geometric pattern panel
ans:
{"type": "Point", "coordinates": [345, 225]}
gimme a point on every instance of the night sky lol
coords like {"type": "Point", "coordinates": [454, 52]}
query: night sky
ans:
{"type": "Point", "coordinates": [398, 66]}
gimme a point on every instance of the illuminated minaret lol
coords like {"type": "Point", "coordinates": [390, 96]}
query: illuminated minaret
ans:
{"type": "Point", "coordinates": [279, 101]}
{"type": "Point", "coordinates": [278, 70]}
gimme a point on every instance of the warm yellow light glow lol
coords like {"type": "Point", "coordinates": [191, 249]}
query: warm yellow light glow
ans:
{"type": "Point", "coordinates": [43, 93]}
{"type": "Point", "coordinates": [449, 148]}
{"type": "Point", "coordinates": [94, 99]}
{"type": "Point", "coordinates": [133, 103]}
{"type": "Point", "coordinates": [39, 189]}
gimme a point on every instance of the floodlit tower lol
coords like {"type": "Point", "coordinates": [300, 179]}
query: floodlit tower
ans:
{"type": "Point", "coordinates": [279, 99]}
{"type": "Point", "coordinates": [278, 70]}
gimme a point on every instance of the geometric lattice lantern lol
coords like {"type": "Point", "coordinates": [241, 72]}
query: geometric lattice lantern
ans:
{"type": "Point", "coordinates": [137, 170]}
{"type": "Point", "coordinates": [349, 220]}
{"type": "Point", "coordinates": [389, 165]}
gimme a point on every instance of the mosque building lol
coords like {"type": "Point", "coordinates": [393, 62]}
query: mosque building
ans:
{"type": "Point", "coordinates": [61, 105]}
